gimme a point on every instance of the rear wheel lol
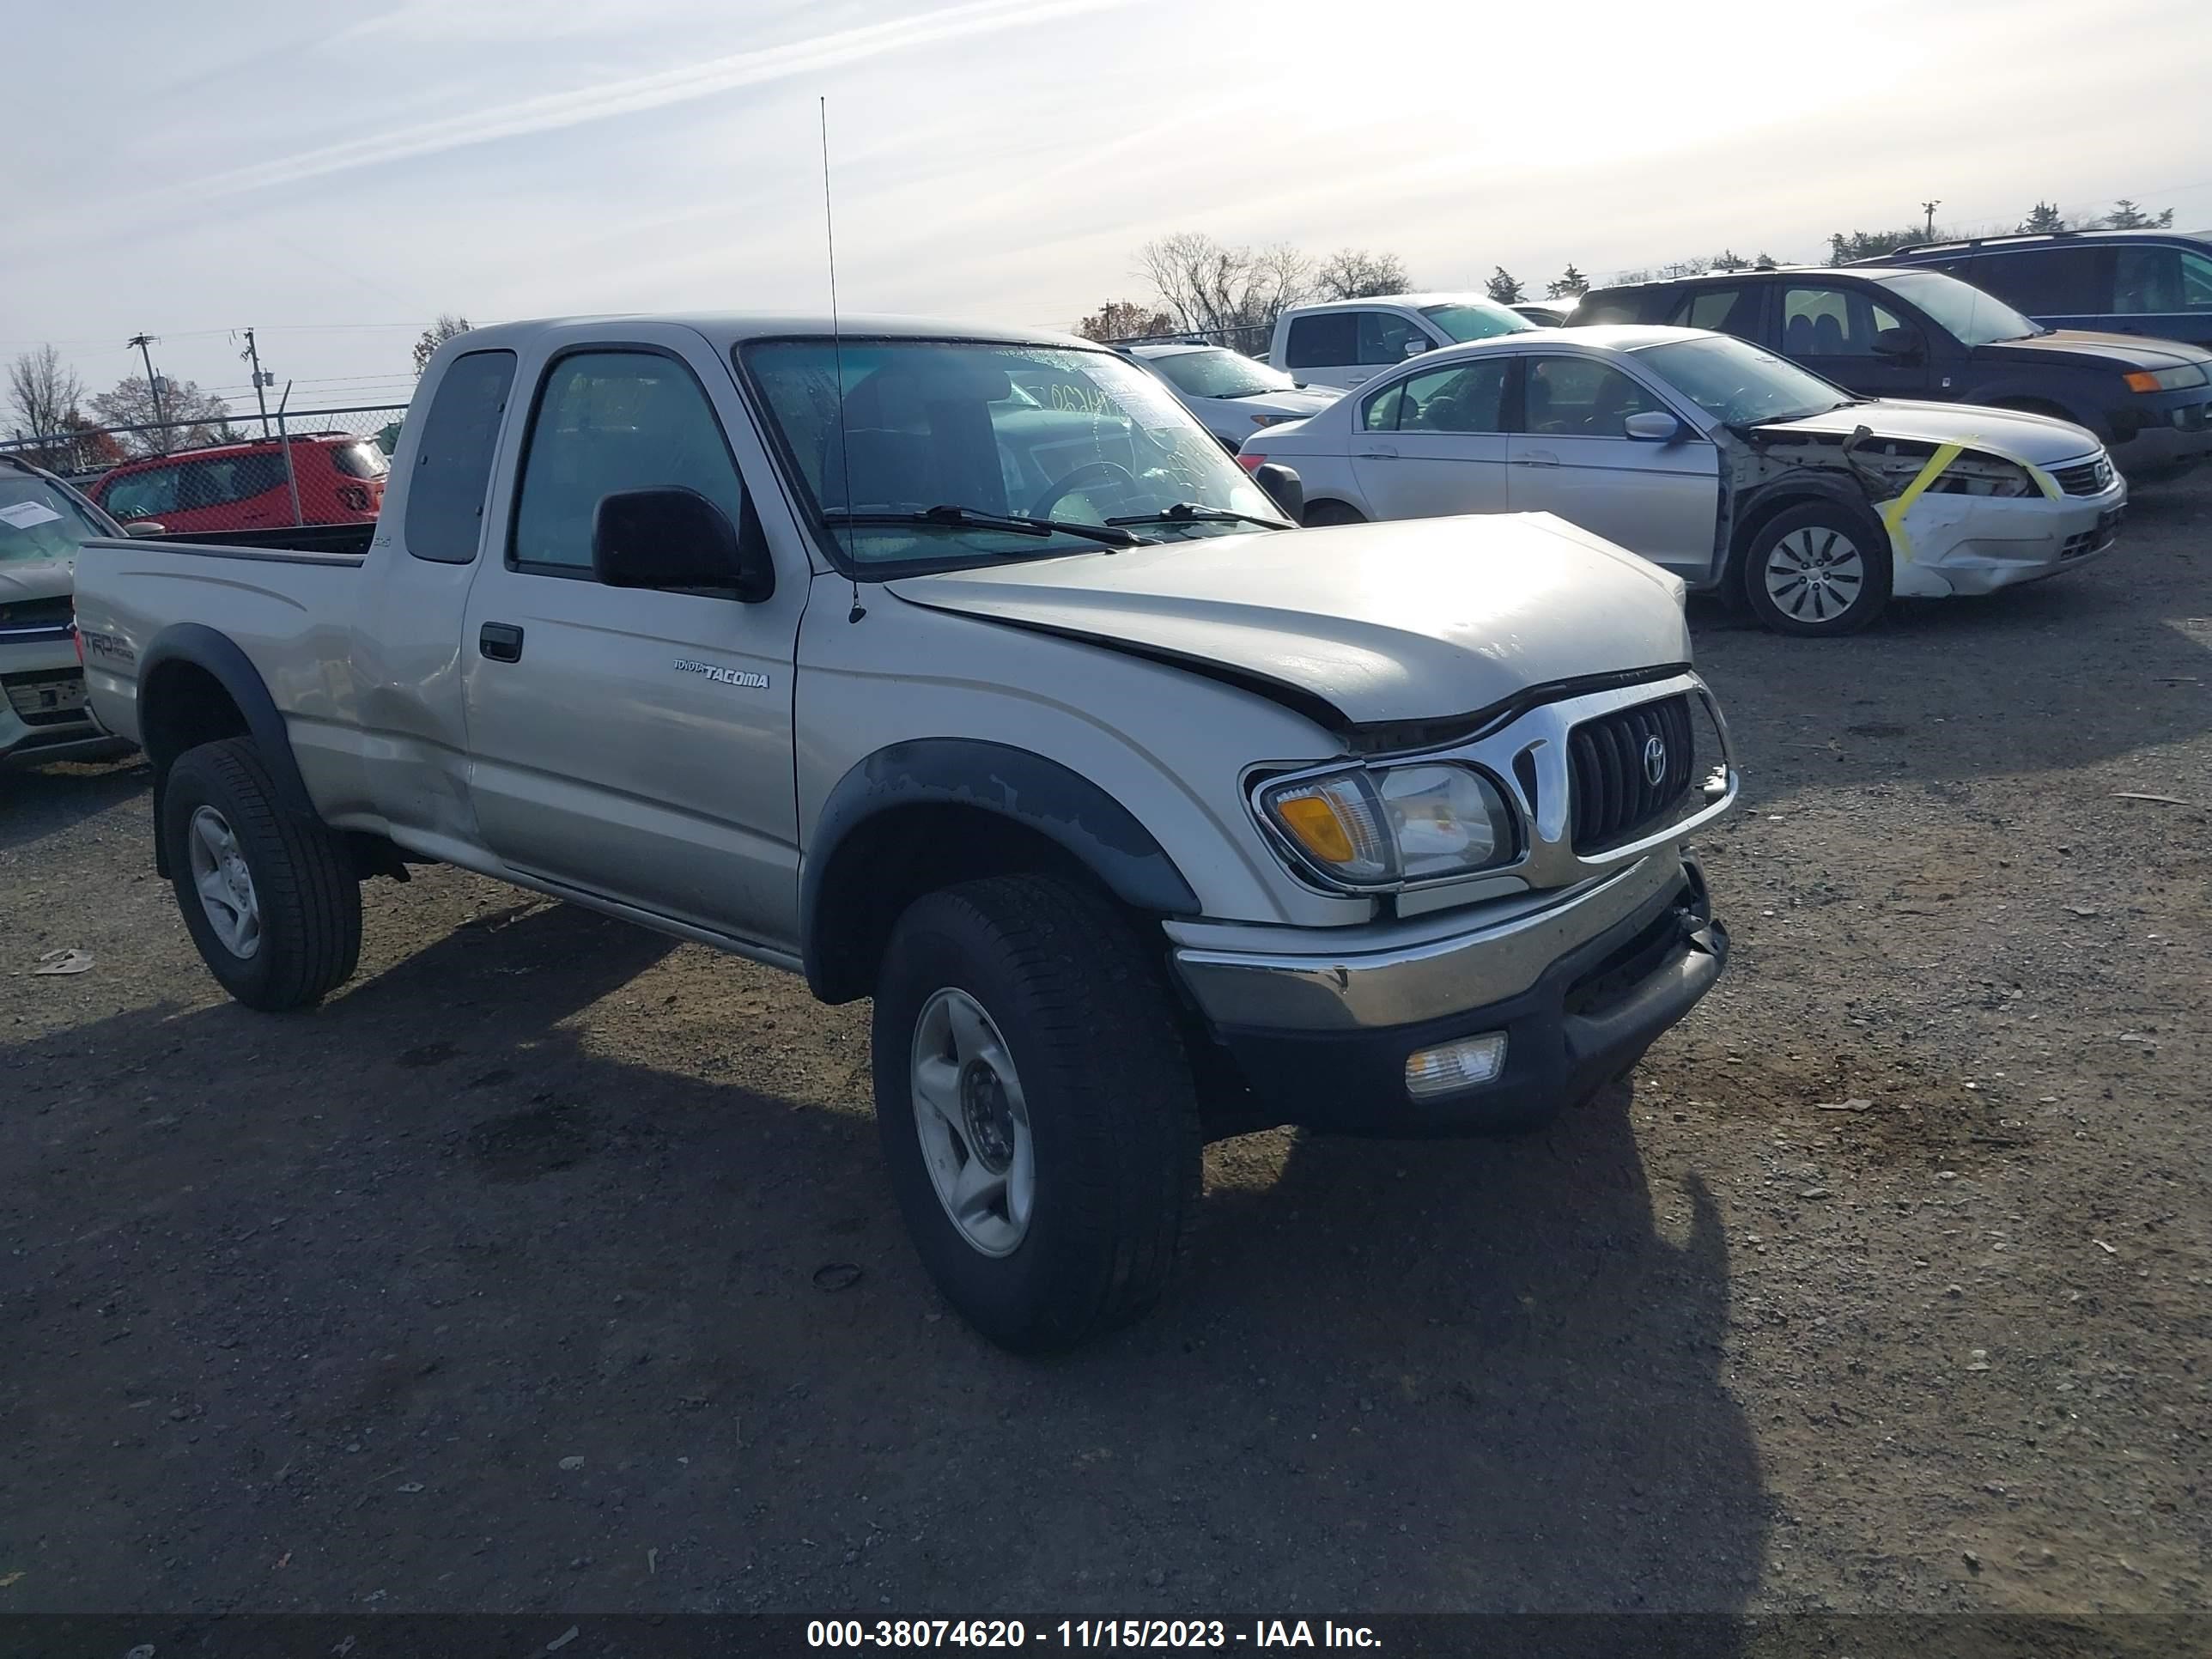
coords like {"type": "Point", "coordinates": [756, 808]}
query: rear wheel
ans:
{"type": "Point", "coordinates": [1037, 1109]}
{"type": "Point", "coordinates": [1818, 569]}
{"type": "Point", "coordinates": [270, 899]}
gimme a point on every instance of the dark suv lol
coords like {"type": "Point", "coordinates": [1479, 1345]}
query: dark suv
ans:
{"type": "Point", "coordinates": [2157, 282]}
{"type": "Point", "coordinates": [1885, 331]}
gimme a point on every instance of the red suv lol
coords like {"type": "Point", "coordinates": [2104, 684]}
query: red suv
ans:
{"type": "Point", "coordinates": [243, 486]}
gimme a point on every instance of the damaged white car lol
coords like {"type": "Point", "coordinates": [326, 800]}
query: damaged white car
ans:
{"type": "Point", "coordinates": [1736, 470]}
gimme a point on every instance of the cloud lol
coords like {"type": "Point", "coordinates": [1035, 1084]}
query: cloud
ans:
{"type": "Point", "coordinates": [633, 94]}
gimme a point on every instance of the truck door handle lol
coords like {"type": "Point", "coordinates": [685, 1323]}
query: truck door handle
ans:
{"type": "Point", "coordinates": [500, 642]}
{"type": "Point", "coordinates": [1536, 458]}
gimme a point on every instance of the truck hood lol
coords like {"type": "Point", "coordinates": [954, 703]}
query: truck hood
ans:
{"type": "Point", "coordinates": [2120, 352]}
{"type": "Point", "coordinates": [1419, 620]}
{"type": "Point", "coordinates": [2040, 438]}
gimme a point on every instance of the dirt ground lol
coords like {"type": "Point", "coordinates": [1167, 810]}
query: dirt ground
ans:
{"type": "Point", "coordinates": [550, 1266]}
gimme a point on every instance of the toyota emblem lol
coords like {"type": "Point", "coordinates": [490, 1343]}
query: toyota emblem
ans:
{"type": "Point", "coordinates": [1655, 761]}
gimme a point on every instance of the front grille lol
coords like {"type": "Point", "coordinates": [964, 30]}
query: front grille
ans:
{"type": "Point", "coordinates": [1615, 798]}
{"type": "Point", "coordinates": [2093, 540]}
{"type": "Point", "coordinates": [2091, 477]}
{"type": "Point", "coordinates": [46, 696]}
{"type": "Point", "coordinates": [35, 614]}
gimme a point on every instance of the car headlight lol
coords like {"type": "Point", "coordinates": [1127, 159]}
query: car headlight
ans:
{"type": "Point", "coordinates": [2176, 378]}
{"type": "Point", "coordinates": [1379, 827]}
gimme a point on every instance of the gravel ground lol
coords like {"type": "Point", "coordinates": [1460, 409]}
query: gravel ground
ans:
{"type": "Point", "coordinates": [550, 1265]}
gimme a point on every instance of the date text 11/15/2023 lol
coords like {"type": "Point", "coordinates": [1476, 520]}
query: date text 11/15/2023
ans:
{"type": "Point", "coordinates": [1085, 1633]}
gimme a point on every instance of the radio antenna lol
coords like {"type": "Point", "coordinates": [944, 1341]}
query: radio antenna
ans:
{"type": "Point", "coordinates": [837, 355]}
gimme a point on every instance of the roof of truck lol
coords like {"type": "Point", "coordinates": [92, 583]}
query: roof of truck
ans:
{"type": "Point", "coordinates": [724, 329]}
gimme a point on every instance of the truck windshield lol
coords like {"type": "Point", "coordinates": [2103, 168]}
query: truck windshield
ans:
{"type": "Point", "coordinates": [1738, 384]}
{"type": "Point", "coordinates": [1973, 317]}
{"type": "Point", "coordinates": [1037, 433]}
{"type": "Point", "coordinates": [1476, 319]}
{"type": "Point", "coordinates": [39, 521]}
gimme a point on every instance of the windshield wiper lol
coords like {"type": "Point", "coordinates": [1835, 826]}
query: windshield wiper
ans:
{"type": "Point", "coordinates": [1192, 512]}
{"type": "Point", "coordinates": [968, 518]}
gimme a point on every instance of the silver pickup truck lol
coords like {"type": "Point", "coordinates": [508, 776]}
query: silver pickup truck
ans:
{"type": "Point", "coordinates": [961, 669]}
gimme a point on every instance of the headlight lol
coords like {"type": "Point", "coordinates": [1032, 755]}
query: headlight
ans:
{"type": "Point", "coordinates": [2182, 375]}
{"type": "Point", "coordinates": [1387, 826]}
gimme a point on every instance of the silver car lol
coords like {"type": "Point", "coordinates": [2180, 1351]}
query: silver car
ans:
{"type": "Point", "coordinates": [43, 713]}
{"type": "Point", "coordinates": [1733, 468]}
{"type": "Point", "coordinates": [1232, 395]}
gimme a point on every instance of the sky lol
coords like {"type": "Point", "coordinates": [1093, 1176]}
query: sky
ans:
{"type": "Point", "coordinates": [336, 176]}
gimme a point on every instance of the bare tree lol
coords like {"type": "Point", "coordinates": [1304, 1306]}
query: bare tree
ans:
{"type": "Point", "coordinates": [1125, 320]}
{"type": "Point", "coordinates": [436, 335]}
{"type": "Point", "coordinates": [1216, 290]}
{"type": "Point", "coordinates": [192, 417]}
{"type": "Point", "coordinates": [1354, 273]}
{"type": "Point", "coordinates": [43, 393]}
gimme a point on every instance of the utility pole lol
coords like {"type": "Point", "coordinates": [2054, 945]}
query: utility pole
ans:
{"type": "Point", "coordinates": [253, 356]}
{"type": "Point", "coordinates": [143, 342]}
{"type": "Point", "coordinates": [1929, 209]}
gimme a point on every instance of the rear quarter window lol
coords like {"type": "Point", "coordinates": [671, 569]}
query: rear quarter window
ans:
{"type": "Point", "coordinates": [1608, 308]}
{"type": "Point", "coordinates": [450, 474]}
{"type": "Point", "coordinates": [1329, 339]}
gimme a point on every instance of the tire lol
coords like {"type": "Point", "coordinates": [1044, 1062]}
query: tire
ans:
{"type": "Point", "coordinates": [1104, 1107]}
{"type": "Point", "coordinates": [222, 824]}
{"type": "Point", "coordinates": [1841, 557]}
{"type": "Point", "coordinates": [1320, 514]}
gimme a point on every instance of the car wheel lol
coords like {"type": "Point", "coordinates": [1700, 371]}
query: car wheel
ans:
{"type": "Point", "coordinates": [270, 899]}
{"type": "Point", "coordinates": [1818, 570]}
{"type": "Point", "coordinates": [1319, 513]}
{"type": "Point", "coordinates": [1037, 1112]}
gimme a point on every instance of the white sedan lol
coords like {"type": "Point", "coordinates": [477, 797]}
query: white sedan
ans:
{"type": "Point", "coordinates": [1733, 468]}
{"type": "Point", "coordinates": [1232, 395]}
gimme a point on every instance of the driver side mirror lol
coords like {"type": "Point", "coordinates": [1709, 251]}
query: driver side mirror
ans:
{"type": "Point", "coordinates": [145, 527]}
{"type": "Point", "coordinates": [673, 537]}
{"type": "Point", "coordinates": [1902, 341]}
{"type": "Point", "coordinates": [1652, 426]}
{"type": "Point", "coordinates": [1415, 345]}
{"type": "Point", "coordinates": [1283, 487]}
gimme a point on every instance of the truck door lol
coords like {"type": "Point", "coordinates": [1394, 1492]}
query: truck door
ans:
{"type": "Point", "coordinates": [633, 744]}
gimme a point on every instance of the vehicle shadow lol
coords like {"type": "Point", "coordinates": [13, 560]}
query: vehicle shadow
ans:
{"type": "Point", "coordinates": [446, 1298]}
{"type": "Point", "coordinates": [36, 802]}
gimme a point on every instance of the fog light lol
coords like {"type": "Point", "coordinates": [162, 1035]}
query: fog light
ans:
{"type": "Point", "coordinates": [1456, 1066]}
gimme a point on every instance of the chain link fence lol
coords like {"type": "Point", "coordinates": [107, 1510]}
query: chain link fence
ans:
{"type": "Point", "coordinates": [243, 472]}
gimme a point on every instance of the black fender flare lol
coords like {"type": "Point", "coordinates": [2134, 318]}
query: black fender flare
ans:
{"type": "Point", "coordinates": [1017, 784]}
{"type": "Point", "coordinates": [220, 657]}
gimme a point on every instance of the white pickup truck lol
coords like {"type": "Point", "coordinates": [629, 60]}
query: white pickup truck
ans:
{"type": "Point", "coordinates": [961, 669]}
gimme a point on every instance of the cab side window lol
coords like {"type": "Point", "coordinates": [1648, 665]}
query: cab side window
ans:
{"type": "Point", "coordinates": [450, 468]}
{"type": "Point", "coordinates": [607, 421]}
{"type": "Point", "coordinates": [1327, 339]}
{"type": "Point", "coordinates": [1383, 335]}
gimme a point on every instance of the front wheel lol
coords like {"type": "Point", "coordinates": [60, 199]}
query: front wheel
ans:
{"type": "Point", "coordinates": [1037, 1111]}
{"type": "Point", "coordinates": [1818, 570]}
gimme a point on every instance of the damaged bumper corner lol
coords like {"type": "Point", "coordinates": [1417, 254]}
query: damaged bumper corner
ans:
{"type": "Point", "coordinates": [1966, 545]}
